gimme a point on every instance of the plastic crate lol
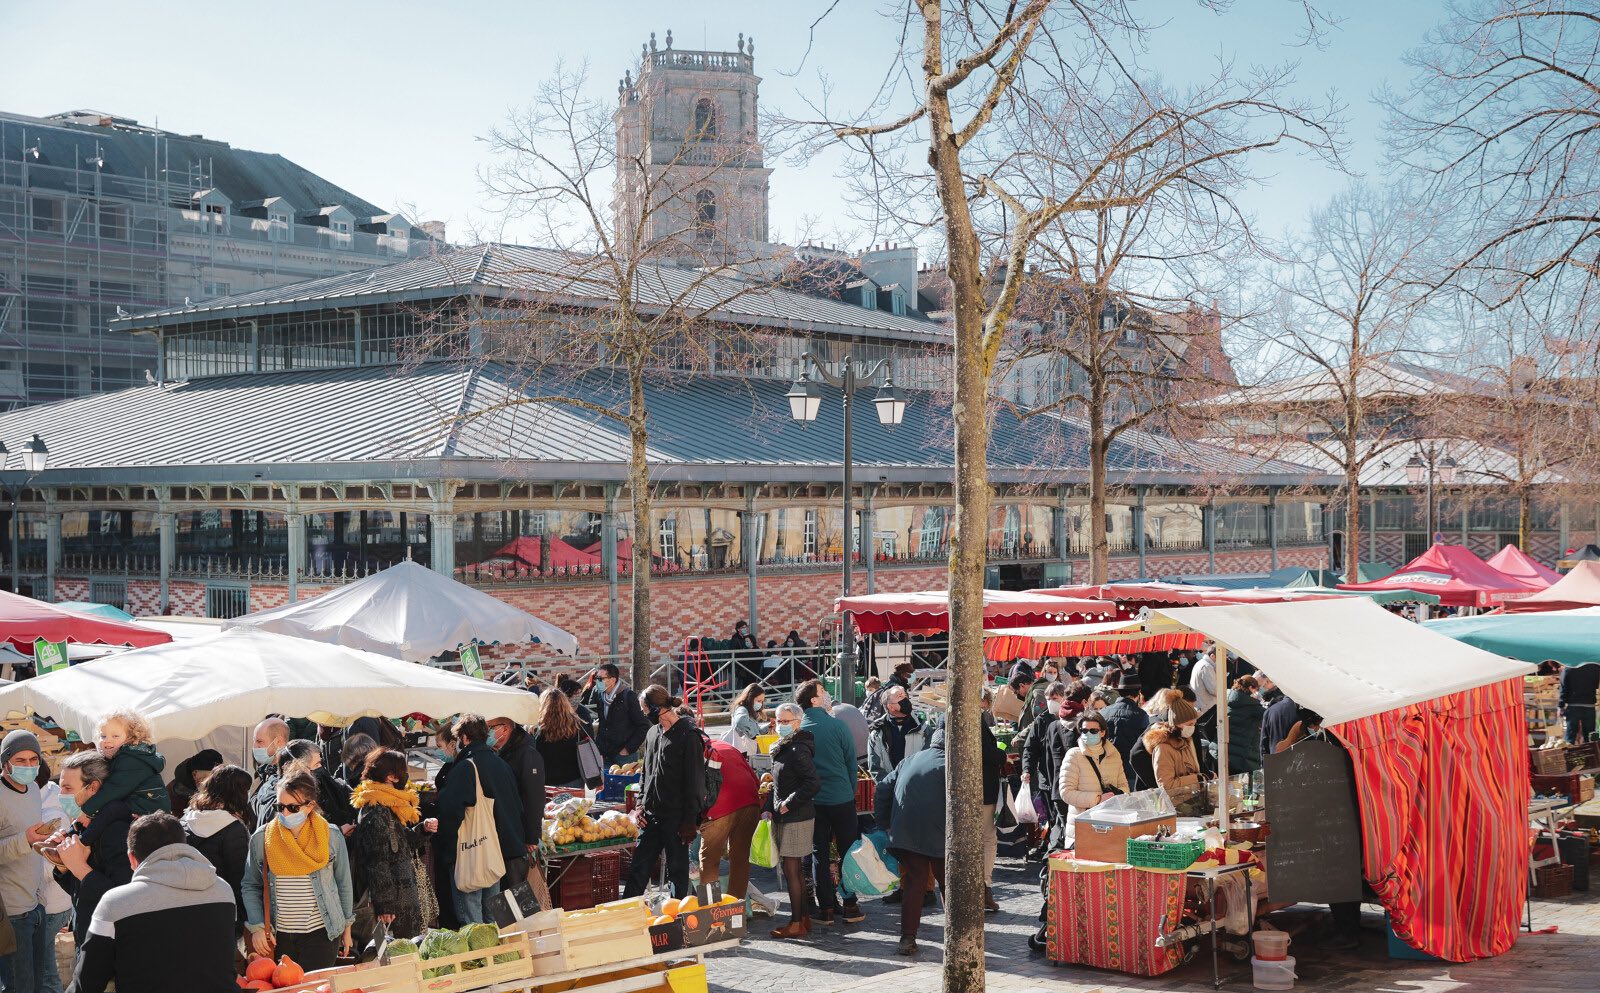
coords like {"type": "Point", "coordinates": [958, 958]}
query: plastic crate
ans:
{"type": "Point", "coordinates": [585, 881]}
{"type": "Point", "coordinates": [1400, 950]}
{"type": "Point", "coordinates": [1551, 882]}
{"type": "Point", "coordinates": [1164, 854]}
{"type": "Point", "coordinates": [615, 787]}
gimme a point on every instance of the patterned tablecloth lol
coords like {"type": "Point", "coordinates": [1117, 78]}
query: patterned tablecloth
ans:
{"type": "Point", "coordinates": [1109, 916]}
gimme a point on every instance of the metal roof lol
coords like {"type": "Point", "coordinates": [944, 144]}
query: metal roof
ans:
{"type": "Point", "coordinates": [1376, 380]}
{"type": "Point", "coordinates": [1477, 464]}
{"type": "Point", "coordinates": [464, 421]}
{"type": "Point", "coordinates": [540, 276]}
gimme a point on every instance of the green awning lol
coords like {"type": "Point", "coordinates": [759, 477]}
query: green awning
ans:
{"type": "Point", "coordinates": [1366, 572]}
{"type": "Point", "coordinates": [1381, 597]}
{"type": "Point", "coordinates": [1570, 637]}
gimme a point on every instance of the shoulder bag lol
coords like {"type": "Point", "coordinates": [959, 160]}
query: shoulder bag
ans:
{"type": "Point", "coordinates": [591, 766]}
{"type": "Point", "coordinates": [479, 862]}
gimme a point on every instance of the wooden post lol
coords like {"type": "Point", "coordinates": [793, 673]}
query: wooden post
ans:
{"type": "Point", "coordinates": [1220, 655]}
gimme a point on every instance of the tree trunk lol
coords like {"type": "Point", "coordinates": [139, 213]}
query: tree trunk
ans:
{"type": "Point", "coordinates": [1100, 545]}
{"type": "Point", "coordinates": [1352, 523]}
{"type": "Point", "coordinates": [643, 527]}
{"type": "Point", "coordinates": [1524, 517]}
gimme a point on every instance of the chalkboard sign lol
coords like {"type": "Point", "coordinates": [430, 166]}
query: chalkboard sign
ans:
{"type": "Point", "coordinates": [1314, 851]}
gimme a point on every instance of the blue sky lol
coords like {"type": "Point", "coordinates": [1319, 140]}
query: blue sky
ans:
{"type": "Point", "coordinates": [388, 99]}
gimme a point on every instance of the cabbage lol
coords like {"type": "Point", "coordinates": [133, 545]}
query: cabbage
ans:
{"type": "Point", "coordinates": [402, 946]}
{"type": "Point", "coordinates": [480, 936]}
{"type": "Point", "coordinates": [439, 944]}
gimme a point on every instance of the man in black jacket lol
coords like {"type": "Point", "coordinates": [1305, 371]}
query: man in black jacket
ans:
{"type": "Point", "coordinates": [1576, 700]}
{"type": "Point", "coordinates": [621, 727]}
{"type": "Point", "coordinates": [170, 927]}
{"type": "Point", "coordinates": [1126, 721]}
{"type": "Point", "coordinates": [515, 747]}
{"type": "Point", "coordinates": [470, 751]}
{"type": "Point", "coordinates": [95, 853]}
{"type": "Point", "coordinates": [673, 779]}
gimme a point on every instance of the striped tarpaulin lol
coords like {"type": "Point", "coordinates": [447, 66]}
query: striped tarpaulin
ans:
{"type": "Point", "coordinates": [1004, 648]}
{"type": "Point", "coordinates": [1443, 787]}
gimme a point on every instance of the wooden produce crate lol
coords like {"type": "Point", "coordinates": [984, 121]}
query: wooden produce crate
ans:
{"type": "Point", "coordinates": [1547, 761]}
{"type": "Point", "coordinates": [547, 946]}
{"type": "Point", "coordinates": [400, 976]}
{"type": "Point", "coordinates": [1578, 787]}
{"type": "Point", "coordinates": [612, 932]}
{"type": "Point", "coordinates": [485, 970]}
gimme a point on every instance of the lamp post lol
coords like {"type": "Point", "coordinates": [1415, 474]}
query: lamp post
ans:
{"type": "Point", "coordinates": [805, 400]}
{"type": "Point", "coordinates": [35, 458]}
{"type": "Point", "coordinates": [1430, 469]}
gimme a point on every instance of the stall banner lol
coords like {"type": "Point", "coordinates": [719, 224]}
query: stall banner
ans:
{"type": "Point", "coordinates": [1443, 788]}
{"type": "Point", "coordinates": [470, 663]}
{"type": "Point", "coordinates": [1110, 916]}
{"type": "Point", "coordinates": [48, 656]}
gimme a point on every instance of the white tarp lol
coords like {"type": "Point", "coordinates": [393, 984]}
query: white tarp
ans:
{"type": "Point", "coordinates": [190, 689]}
{"type": "Point", "coordinates": [408, 612]}
{"type": "Point", "coordinates": [1347, 659]}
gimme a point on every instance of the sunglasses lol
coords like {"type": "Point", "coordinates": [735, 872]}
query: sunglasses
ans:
{"type": "Point", "coordinates": [292, 808]}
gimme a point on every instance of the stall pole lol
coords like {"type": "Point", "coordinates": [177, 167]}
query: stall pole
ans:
{"type": "Point", "coordinates": [1220, 654]}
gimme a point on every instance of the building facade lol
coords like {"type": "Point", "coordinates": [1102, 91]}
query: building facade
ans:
{"type": "Point", "coordinates": [101, 216]}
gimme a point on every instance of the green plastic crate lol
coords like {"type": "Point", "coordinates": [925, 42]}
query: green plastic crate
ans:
{"type": "Point", "coordinates": [1164, 854]}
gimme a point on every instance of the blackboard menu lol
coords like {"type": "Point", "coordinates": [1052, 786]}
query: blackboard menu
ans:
{"type": "Point", "coordinates": [1314, 851]}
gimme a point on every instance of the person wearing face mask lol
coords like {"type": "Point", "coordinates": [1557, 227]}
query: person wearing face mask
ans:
{"type": "Point", "coordinates": [792, 811]}
{"type": "Point", "coordinates": [511, 742]}
{"type": "Point", "coordinates": [835, 801]}
{"type": "Point", "coordinates": [386, 848]}
{"type": "Point", "coordinates": [1173, 758]}
{"type": "Point", "coordinates": [749, 718]}
{"type": "Point", "coordinates": [271, 737]}
{"type": "Point", "coordinates": [620, 730]}
{"type": "Point", "coordinates": [475, 762]}
{"type": "Point", "coordinates": [669, 790]}
{"type": "Point", "coordinates": [747, 654]}
{"type": "Point", "coordinates": [22, 871]}
{"type": "Point", "coordinates": [93, 850]}
{"type": "Point", "coordinates": [894, 737]}
{"type": "Point", "coordinates": [333, 796]}
{"type": "Point", "coordinates": [1092, 771]}
{"type": "Point", "coordinates": [304, 867]}
{"type": "Point", "coordinates": [191, 772]}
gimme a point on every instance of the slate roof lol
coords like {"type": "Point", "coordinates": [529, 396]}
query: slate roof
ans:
{"type": "Point", "coordinates": [391, 422]}
{"type": "Point", "coordinates": [1477, 464]}
{"type": "Point", "coordinates": [132, 152]}
{"type": "Point", "coordinates": [548, 277]}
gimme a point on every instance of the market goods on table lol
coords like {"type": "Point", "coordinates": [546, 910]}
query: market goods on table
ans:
{"type": "Point", "coordinates": [612, 932]}
{"type": "Point", "coordinates": [567, 823]}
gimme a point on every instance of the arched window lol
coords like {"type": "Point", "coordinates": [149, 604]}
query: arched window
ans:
{"type": "Point", "coordinates": [705, 214]}
{"type": "Point", "coordinates": [705, 120]}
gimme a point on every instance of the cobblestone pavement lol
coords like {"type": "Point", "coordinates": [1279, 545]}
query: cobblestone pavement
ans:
{"type": "Point", "coordinates": [861, 958]}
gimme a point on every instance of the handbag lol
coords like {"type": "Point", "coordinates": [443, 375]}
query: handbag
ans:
{"type": "Point", "coordinates": [479, 863]}
{"type": "Point", "coordinates": [590, 765]}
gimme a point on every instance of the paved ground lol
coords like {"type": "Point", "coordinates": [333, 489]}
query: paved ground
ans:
{"type": "Point", "coordinates": [861, 958]}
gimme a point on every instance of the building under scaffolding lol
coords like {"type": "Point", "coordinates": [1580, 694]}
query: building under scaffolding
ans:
{"type": "Point", "coordinates": [101, 217]}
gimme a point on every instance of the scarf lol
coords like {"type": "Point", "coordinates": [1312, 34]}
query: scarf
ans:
{"type": "Point", "coordinates": [288, 855]}
{"type": "Point", "coordinates": [402, 801]}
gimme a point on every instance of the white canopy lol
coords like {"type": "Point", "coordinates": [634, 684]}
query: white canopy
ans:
{"type": "Point", "coordinates": [408, 612]}
{"type": "Point", "coordinates": [190, 689]}
{"type": "Point", "coordinates": [1347, 659]}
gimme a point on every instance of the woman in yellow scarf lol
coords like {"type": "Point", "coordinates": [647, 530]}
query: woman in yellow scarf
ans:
{"type": "Point", "coordinates": [387, 845]}
{"type": "Point", "coordinates": [297, 894]}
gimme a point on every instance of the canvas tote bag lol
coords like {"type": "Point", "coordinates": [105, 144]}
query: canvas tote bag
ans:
{"type": "Point", "coordinates": [479, 864]}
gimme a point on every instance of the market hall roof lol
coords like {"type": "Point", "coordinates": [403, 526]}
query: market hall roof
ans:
{"type": "Point", "coordinates": [546, 277]}
{"type": "Point", "coordinates": [461, 420]}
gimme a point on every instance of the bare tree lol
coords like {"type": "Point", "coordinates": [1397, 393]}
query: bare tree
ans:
{"type": "Point", "coordinates": [970, 67]}
{"type": "Point", "coordinates": [1347, 323]}
{"type": "Point", "coordinates": [1502, 115]}
{"type": "Point", "coordinates": [646, 253]}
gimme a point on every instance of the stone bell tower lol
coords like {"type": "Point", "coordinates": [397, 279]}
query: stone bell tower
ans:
{"type": "Point", "coordinates": [691, 169]}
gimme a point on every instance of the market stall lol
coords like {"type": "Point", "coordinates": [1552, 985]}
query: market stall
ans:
{"type": "Point", "coordinates": [1458, 577]}
{"type": "Point", "coordinates": [1519, 565]}
{"type": "Point", "coordinates": [1577, 589]}
{"type": "Point", "coordinates": [1110, 637]}
{"type": "Point", "coordinates": [876, 613]}
{"type": "Point", "coordinates": [407, 612]}
{"type": "Point", "coordinates": [24, 620]}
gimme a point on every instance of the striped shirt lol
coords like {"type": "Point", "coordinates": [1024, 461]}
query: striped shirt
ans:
{"type": "Point", "coordinates": [296, 909]}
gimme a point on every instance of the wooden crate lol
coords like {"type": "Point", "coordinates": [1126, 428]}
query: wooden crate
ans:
{"type": "Point", "coordinates": [486, 971]}
{"type": "Point", "coordinates": [398, 977]}
{"type": "Point", "coordinates": [612, 932]}
{"type": "Point", "coordinates": [1547, 761]}
{"type": "Point", "coordinates": [547, 946]}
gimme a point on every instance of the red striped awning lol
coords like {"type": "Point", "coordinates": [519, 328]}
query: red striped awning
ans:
{"type": "Point", "coordinates": [1004, 648]}
{"type": "Point", "coordinates": [1444, 817]}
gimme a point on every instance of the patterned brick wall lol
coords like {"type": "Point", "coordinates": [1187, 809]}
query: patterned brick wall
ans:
{"type": "Point", "coordinates": [72, 590]}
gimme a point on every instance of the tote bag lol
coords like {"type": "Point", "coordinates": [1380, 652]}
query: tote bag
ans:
{"type": "Point", "coordinates": [479, 864]}
{"type": "Point", "coordinates": [590, 765]}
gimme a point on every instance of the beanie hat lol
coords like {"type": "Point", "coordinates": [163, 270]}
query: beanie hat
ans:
{"type": "Point", "coordinates": [18, 741]}
{"type": "Point", "coordinates": [1182, 711]}
{"type": "Point", "coordinates": [1022, 672]}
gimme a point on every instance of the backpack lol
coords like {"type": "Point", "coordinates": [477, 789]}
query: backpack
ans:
{"type": "Point", "coordinates": [711, 779]}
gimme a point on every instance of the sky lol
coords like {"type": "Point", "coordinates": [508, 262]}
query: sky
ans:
{"type": "Point", "coordinates": [390, 99]}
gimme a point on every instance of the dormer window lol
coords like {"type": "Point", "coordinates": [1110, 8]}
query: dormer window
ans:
{"type": "Point", "coordinates": [279, 228]}
{"type": "Point", "coordinates": [705, 120]}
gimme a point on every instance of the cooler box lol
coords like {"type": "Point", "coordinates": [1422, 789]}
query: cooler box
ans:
{"type": "Point", "coordinates": [615, 785]}
{"type": "Point", "coordinates": [1101, 833]}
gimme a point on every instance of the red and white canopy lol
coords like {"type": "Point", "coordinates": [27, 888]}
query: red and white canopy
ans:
{"type": "Point", "coordinates": [875, 613]}
{"type": "Point", "coordinates": [1519, 565]}
{"type": "Point", "coordinates": [24, 620]}
{"type": "Point", "coordinates": [1460, 579]}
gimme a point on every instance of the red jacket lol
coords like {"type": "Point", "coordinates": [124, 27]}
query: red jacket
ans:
{"type": "Point", "coordinates": [739, 787]}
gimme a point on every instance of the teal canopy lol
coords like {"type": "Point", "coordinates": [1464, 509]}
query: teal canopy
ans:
{"type": "Point", "coordinates": [1382, 597]}
{"type": "Point", "coordinates": [97, 609]}
{"type": "Point", "coordinates": [1296, 578]}
{"type": "Point", "coordinates": [1571, 637]}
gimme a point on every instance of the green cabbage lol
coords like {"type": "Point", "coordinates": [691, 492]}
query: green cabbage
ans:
{"type": "Point", "coordinates": [402, 946]}
{"type": "Point", "coordinates": [439, 944]}
{"type": "Point", "coordinates": [480, 936]}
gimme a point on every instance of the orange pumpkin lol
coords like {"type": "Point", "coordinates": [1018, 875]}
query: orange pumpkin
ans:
{"type": "Point", "coordinates": [287, 973]}
{"type": "Point", "coordinates": [260, 984]}
{"type": "Point", "coordinates": [260, 968]}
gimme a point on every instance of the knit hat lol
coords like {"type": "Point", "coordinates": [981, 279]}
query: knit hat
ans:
{"type": "Point", "coordinates": [18, 741]}
{"type": "Point", "coordinates": [1022, 672]}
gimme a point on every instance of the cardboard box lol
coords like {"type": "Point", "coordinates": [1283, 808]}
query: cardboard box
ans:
{"type": "Point", "coordinates": [1107, 841]}
{"type": "Point", "coordinates": [666, 937]}
{"type": "Point", "coordinates": [718, 922]}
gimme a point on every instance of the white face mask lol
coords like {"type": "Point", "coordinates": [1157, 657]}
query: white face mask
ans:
{"type": "Point", "coordinates": [1188, 730]}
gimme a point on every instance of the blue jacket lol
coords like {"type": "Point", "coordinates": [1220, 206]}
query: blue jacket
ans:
{"type": "Point", "coordinates": [835, 757]}
{"type": "Point", "coordinates": [911, 801]}
{"type": "Point", "coordinates": [331, 883]}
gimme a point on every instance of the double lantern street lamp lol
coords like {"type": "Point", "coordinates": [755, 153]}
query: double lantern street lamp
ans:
{"type": "Point", "coordinates": [35, 458]}
{"type": "Point", "coordinates": [1429, 470]}
{"type": "Point", "coordinates": [805, 401]}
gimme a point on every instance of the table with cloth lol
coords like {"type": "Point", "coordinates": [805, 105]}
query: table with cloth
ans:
{"type": "Point", "coordinates": [1109, 916]}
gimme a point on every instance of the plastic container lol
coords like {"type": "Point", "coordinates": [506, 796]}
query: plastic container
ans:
{"type": "Point", "coordinates": [1273, 975]}
{"type": "Point", "coordinates": [1271, 946]}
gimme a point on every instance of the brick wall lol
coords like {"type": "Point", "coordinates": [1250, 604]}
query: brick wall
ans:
{"type": "Point", "coordinates": [72, 590]}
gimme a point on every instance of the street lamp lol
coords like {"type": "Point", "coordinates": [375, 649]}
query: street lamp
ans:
{"type": "Point", "coordinates": [1430, 469]}
{"type": "Point", "coordinates": [805, 401]}
{"type": "Point", "coordinates": [35, 459]}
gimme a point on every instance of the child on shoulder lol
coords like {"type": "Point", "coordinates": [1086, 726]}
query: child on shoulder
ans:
{"type": "Point", "coordinates": [127, 743]}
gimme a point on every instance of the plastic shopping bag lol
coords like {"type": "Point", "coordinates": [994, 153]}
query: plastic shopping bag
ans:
{"type": "Point", "coordinates": [1004, 819]}
{"type": "Point", "coordinates": [762, 850]}
{"type": "Point", "coordinates": [869, 867]}
{"type": "Point", "coordinates": [1022, 805]}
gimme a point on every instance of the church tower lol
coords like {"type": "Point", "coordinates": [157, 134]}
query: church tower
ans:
{"type": "Point", "coordinates": [691, 170]}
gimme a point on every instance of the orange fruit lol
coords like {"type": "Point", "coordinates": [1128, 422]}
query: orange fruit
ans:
{"type": "Point", "coordinates": [688, 903]}
{"type": "Point", "coordinates": [670, 908]}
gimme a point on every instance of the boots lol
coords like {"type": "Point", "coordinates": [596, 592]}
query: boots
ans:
{"type": "Point", "coordinates": [794, 929]}
{"type": "Point", "coordinates": [989, 906]}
